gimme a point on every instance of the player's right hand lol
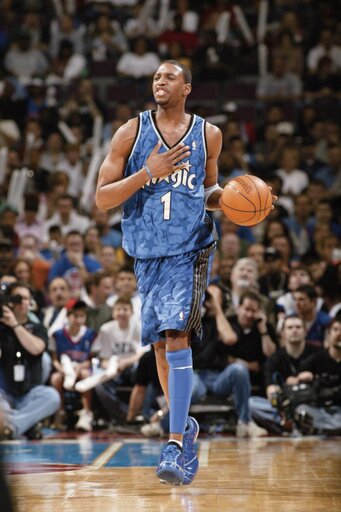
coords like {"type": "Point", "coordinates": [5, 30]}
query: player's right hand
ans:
{"type": "Point", "coordinates": [163, 164]}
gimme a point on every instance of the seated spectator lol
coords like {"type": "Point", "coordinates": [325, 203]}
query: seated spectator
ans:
{"type": "Point", "coordinates": [55, 315]}
{"type": "Point", "coordinates": [29, 250]}
{"type": "Point", "coordinates": [310, 164]}
{"type": "Point", "coordinates": [121, 337]}
{"type": "Point", "coordinates": [139, 63]}
{"type": "Point", "coordinates": [325, 215]}
{"type": "Point", "coordinates": [109, 235]}
{"type": "Point", "coordinates": [274, 281]}
{"type": "Point", "coordinates": [300, 224]}
{"type": "Point", "coordinates": [74, 341]}
{"type": "Point", "coordinates": [92, 242]}
{"type": "Point", "coordinates": [223, 372]}
{"type": "Point", "coordinates": [29, 223]}
{"type": "Point", "coordinates": [98, 287]}
{"type": "Point", "coordinates": [24, 400]}
{"type": "Point", "coordinates": [73, 264]}
{"type": "Point", "coordinates": [256, 252]}
{"type": "Point", "coordinates": [67, 217]}
{"type": "Point", "coordinates": [325, 47]}
{"type": "Point", "coordinates": [282, 368]}
{"type": "Point", "coordinates": [109, 261]}
{"type": "Point", "coordinates": [244, 277]}
{"type": "Point", "coordinates": [210, 58]}
{"type": "Point", "coordinates": [279, 85]}
{"type": "Point", "coordinates": [64, 29]}
{"type": "Point", "coordinates": [330, 175]}
{"type": "Point", "coordinates": [324, 367]}
{"type": "Point", "coordinates": [287, 47]}
{"type": "Point", "coordinates": [106, 40]}
{"type": "Point", "coordinates": [66, 66]}
{"type": "Point", "coordinates": [126, 286]}
{"type": "Point", "coordinates": [23, 61]}
{"type": "Point", "coordinates": [53, 156]}
{"type": "Point", "coordinates": [315, 322]}
{"type": "Point", "coordinates": [323, 83]}
{"type": "Point", "coordinates": [22, 271]}
{"type": "Point", "coordinates": [294, 180]}
{"type": "Point", "coordinates": [298, 276]}
{"type": "Point", "coordinates": [73, 166]}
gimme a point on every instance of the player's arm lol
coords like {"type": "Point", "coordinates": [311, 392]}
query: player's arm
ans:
{"type": "Point", "coordinates": [113, 189]}
{"type": "Point", "coordinates": [212, 190]}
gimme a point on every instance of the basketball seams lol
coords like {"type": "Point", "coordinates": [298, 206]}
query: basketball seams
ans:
{"type": "Point", "coordinates": [254, 183]}
{"type": "Point", "coordinates": [240, 193]}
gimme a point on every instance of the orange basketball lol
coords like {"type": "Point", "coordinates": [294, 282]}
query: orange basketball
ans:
{"type": "Point", "coordinates": [246, 200]}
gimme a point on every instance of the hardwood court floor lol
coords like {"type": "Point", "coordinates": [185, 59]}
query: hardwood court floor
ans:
{"type": "Point", "coordinates": [118, 475]}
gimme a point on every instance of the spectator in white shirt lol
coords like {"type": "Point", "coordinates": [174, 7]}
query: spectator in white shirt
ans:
{"type": "Point", "coordinates": [66, 217]}
{"type": "Point", "coordinates": [325, 47]}
{"type": "Point", "coordinates": [294, 180]}
{"type": "Point", "coordinates": [138, 63]}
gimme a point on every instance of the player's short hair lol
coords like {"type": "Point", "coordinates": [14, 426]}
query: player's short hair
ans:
{"type": "Point", "coordinates": [187, 74]}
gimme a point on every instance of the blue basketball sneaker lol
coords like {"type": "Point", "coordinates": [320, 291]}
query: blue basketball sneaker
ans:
{"type": "Point", "coordinates": [189, 451]}
{"type": "Point", "coordinates": [171, 467]}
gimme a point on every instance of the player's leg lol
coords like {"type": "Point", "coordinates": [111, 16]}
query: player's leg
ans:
{"type": "Point", "coordinates": [178, 357]}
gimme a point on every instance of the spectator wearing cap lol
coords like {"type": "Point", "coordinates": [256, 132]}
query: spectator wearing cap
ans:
{"type": "Point", "coordinates": [28, 223]}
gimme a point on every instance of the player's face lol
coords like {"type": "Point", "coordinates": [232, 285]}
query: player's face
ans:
{"type": "Point", "coordinates": [169, 85]}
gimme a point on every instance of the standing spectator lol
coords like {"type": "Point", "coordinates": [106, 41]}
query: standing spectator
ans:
{"type": "Point", "coordinates": [106, 40]}
{"type": "Point", "coordinates": [74, 341]}
{"type": "Point", "coordinates": [73, 166]}
{"type": "Point", "coordinates": [25, 401]}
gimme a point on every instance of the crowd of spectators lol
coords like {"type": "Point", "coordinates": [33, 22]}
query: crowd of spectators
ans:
{"type": "Point", "coordinates": [64, 250]}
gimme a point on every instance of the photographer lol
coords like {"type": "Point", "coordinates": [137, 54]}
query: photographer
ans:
{"type": "Point", "coordinates": [281, 371]}
{"type": "Point", "coordinates": [231, 354]}
{"type": "Point", "coordinates": [324, 370]}
{"type": "Point", "coordinates": [23, 399]}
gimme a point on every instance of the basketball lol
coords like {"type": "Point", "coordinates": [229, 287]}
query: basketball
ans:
{"type": "Point", "coordinates": [246, 200]}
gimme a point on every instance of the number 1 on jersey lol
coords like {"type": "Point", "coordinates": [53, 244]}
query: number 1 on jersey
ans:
{"type": "Point", "coordinates": [166, 200]}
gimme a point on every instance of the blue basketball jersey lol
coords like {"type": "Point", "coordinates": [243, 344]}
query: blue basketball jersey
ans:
{"type": "Point", "coordinates": [167, 216]}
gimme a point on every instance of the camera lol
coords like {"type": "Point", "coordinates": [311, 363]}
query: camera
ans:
{"type": "Point", "coordinates": [5, 300]}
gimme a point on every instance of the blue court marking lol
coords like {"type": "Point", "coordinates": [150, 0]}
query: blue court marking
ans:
{"type": "Point", "coordinates": [136, 454]}
{"type": "Point", "coordinates": [82, 452]}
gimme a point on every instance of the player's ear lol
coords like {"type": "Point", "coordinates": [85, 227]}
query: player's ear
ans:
{"type": "Point", "coordinates": [187, 89]}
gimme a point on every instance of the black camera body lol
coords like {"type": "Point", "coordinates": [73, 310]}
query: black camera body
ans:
{"type": "Point", "coordinates": [6, 300]}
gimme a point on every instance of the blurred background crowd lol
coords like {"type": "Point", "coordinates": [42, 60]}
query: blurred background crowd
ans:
{"type": "Point", "coordinates": [73, 71]}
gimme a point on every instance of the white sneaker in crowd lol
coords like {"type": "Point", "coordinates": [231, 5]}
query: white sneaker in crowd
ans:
{"type": "Point", "coordinates": [250, 430]}
{"type": "Point", "coordinates": [69, 372]}
{"type": "Point", "coordinates": [152, 429]}
{"type": "Point", "coordinates": [85, 420]}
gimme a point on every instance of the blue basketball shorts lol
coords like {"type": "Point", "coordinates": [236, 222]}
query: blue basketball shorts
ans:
{"type": "Point", "coordinates": [172, 291]}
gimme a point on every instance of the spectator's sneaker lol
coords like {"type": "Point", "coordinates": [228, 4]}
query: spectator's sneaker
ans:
{"type": "Point", "coordinates": [171, 467]}
{"type": "Point", "coordinates": [189, 451]}
{"type": "Point", "coordinates": [152, 429]}
{"type": "Point", "coordinates": [250, 430]}
{"type": "Point", "coordinates": [85, 421]}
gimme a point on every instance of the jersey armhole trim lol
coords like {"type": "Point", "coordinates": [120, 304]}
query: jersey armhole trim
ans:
{"type": "Point", "coordinates": [137, 136]}
{"type": "Point", "coordinates": [204, 141]}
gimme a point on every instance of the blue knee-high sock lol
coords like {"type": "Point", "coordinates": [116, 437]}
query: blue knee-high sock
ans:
{"type": "Point", "coordinates": [180, 382]}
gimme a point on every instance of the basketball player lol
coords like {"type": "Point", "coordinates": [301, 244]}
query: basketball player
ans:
{"type": "Point", "coordinates": [162, 166]}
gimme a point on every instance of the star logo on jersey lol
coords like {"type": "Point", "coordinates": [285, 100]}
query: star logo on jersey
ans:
{"type": "Point", "coordinates": [194, 145]}
{"type": "Point", "coordinates": [181, 315]}
{"type": "Point", "coordinates": [186, 166]}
